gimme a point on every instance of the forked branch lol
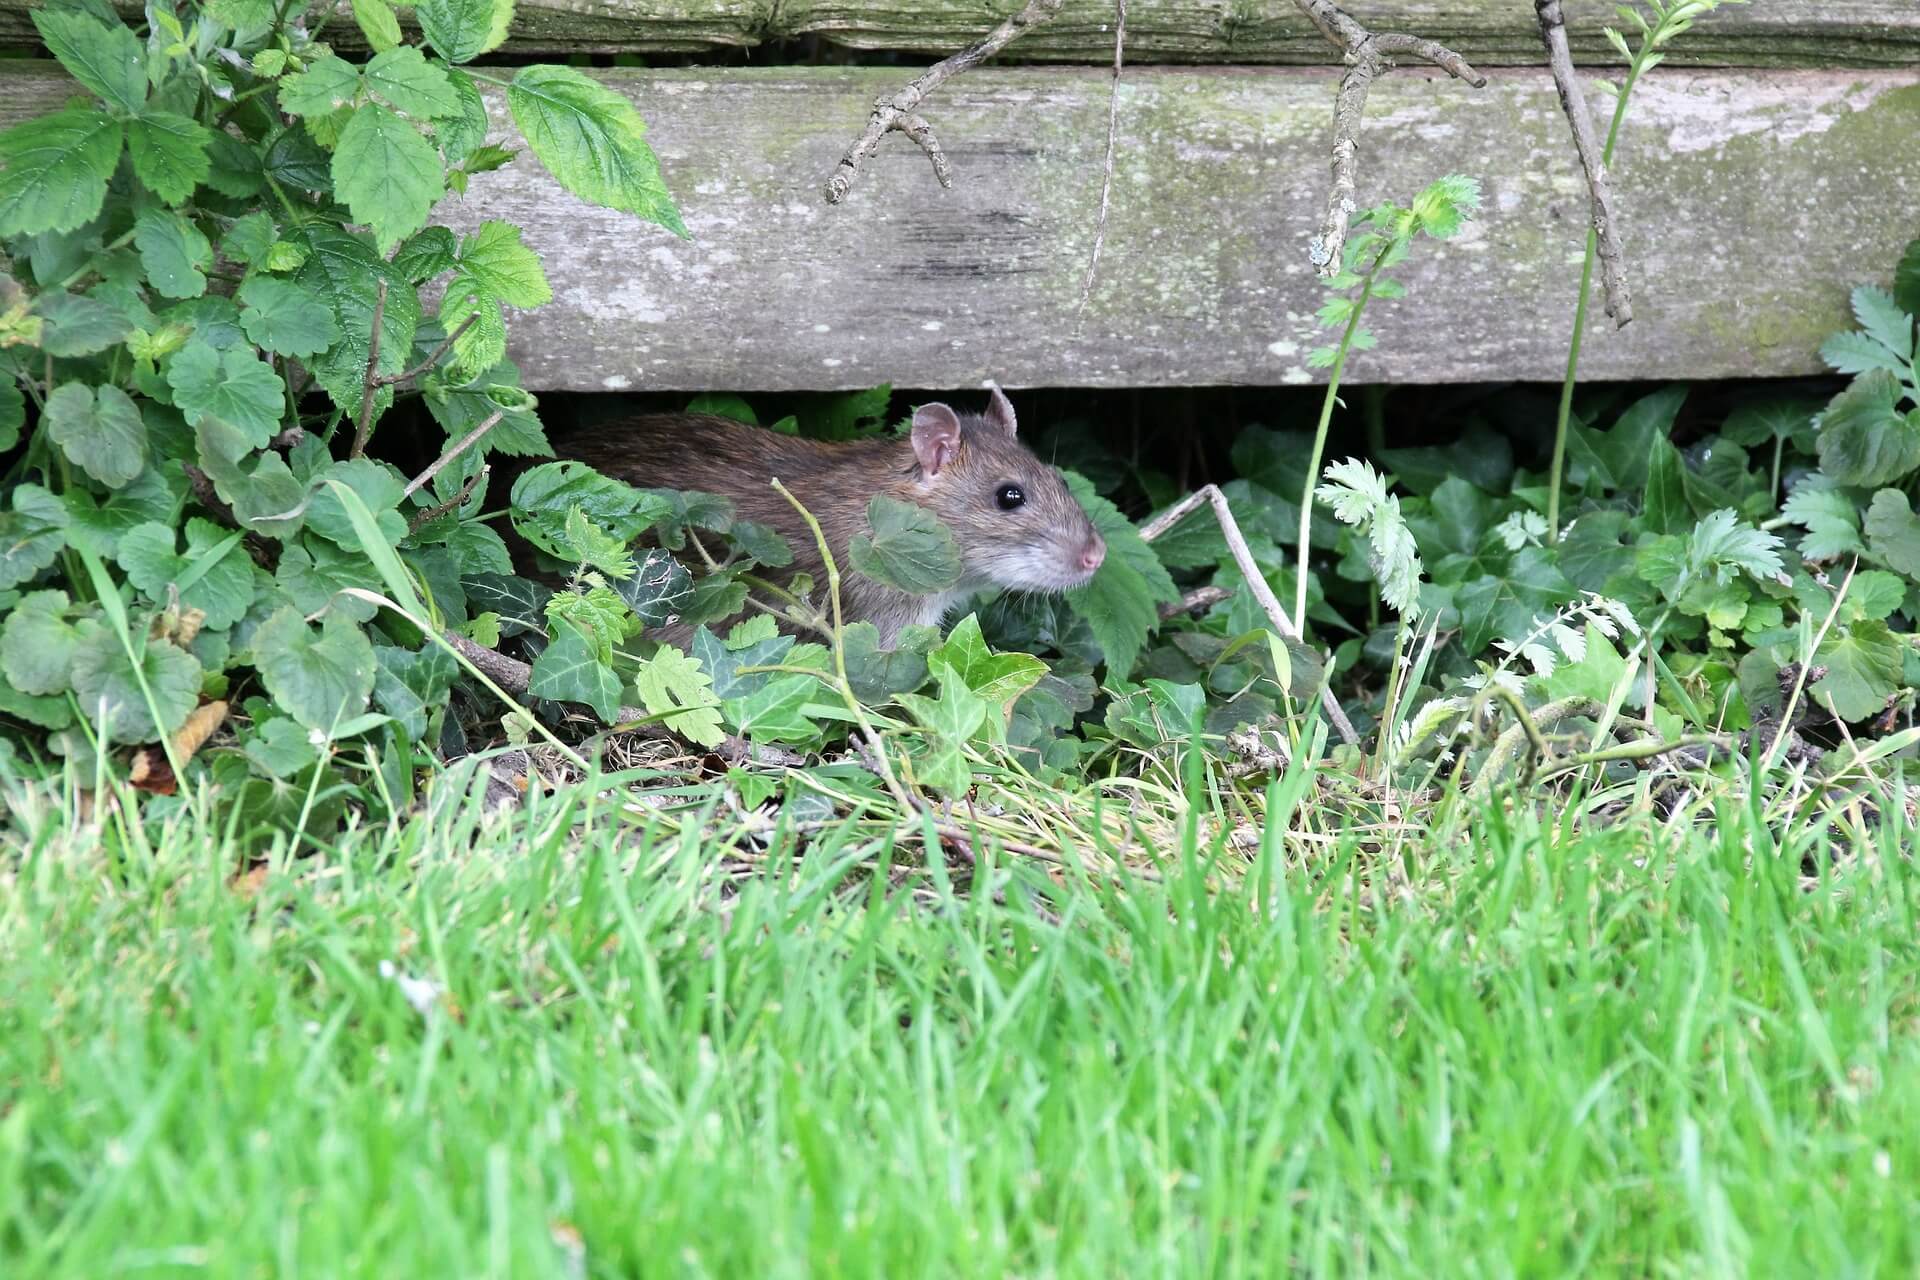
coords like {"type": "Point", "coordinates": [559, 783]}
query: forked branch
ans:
{"type": "Point", "coordinates": [897, 110]}
{"type": "Point", "coordinates": [1367, 55]}
{"type": "Point", "coordinates": [1586, 141]}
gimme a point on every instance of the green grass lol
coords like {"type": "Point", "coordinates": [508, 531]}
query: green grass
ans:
{"type": "Point", "coordinates": [1655, 1050]}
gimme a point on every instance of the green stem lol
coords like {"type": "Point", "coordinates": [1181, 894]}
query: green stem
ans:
{"type": "Point", "coordinates": [1580, 314]}
{"type": "Point", "coordinates": [1320, 442]}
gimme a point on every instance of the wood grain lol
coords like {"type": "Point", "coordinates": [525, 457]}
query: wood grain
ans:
{"type": "Point", "coordinates": [1750, 203]}
{"type": "Point", "coordinates": [1773, 33]}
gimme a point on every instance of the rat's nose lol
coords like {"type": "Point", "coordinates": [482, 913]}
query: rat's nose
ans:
{"type": "Point", "coordinates": [1093, 553]}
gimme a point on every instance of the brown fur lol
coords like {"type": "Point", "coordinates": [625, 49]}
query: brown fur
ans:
{"type": "Point", "coordinates": [1038, 546]}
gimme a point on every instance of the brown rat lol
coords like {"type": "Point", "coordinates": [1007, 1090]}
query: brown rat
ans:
{"type": "Point", "coordinates": [1017, 525]}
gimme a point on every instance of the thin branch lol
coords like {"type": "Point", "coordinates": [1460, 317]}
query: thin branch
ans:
{"type": "Point", "coordinates": [1194, 601]}
{"type": "Point", "coordinates": [466, 442]}
{"type": "Point", "coordinates": [513, 676]}
{"type": "Point", "coordinates": [1256, 581]}
{"type": "Point", "coordinates": [896, 110]}
{"type": "Point", "coordinates": [439, 509]}
{"type": "Point", "coordinates": [364, 426]}
{"type": "Point", "coordinates": [1106, 177]}
{"type": "Point", "coordinates": [388, 379]}
{"type": "Point", "coordinates": [1613, 262]}
{"type": "Point", "coordinates": [1367, 55]}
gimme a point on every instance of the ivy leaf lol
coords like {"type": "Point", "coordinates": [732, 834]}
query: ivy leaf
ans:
{"type": "Point", "coordinates": [108, 683]}
{"type": "Point", "coordinates": [673, 682]}
{"type": "Point", "coordinates": [404, 80]}
{"type": "Point", "coordinates": [169, 153]}
{"type": "Point", "coordinates": [496, 260]}
{"type": "Point", "coordinates": [776, 711]}
{"type": "Point", "coordinates": [377, 23]}
{"type": "Point", "coordinates": [37, 643]}
{"type": "Point", "coordinates": [214, 575]}
{"type": "Point", "coordinates": [1763, 423]}
{"type": "Point", "coordinates": [751, 644]}
{"type": "Point", "coordinates": [520, 602]}
{"type": "Point", "coordinates": [567, 670]}
{"type": "Point", "coordinates": [593, 141]}
{"type": "Point", "coordinates": [31, 534]}
{"type": "Point", "coordinates": [908, 548]}
{"type": "Point", "coordinates": [389, 176]}
{"type": "Point", "coordinates": [74, 325]}
{"type": "Point", "coordinates": [1863, 439]}
{"type": "Point", "coordinates": [996, 678]}
{"type": "Point", "coordinates": [56, 170]}
{"type": "Point", "coordinates": [99, 431]}
{"type": "Point", "coordinates": [410, 685]}
{"type": "Point", "coordinates": [1831, 519]}
{"type": "Point", "coordinates": [658, 590]}
{"type": "Point", "coordinates": [106, 59]}
{"type": "Point", "coordinates": [1893, 532]}
{"type": "Point", "coordinates": [174, 253]}
{"type": "Point", "coordinates": [328, 84]}
{"type": "Point", "coordinates": [1863, 664]}
{"type": "Point", "coordinates": [233, 386]}
{"type": "Point", "coordinates": [285, 318]}
{"type": "Point", "coordinates": [321, 679]}
{"type": "Point", "coordinates": [951, 721]}
{"type": "Point", "coordinates": [462, 30]}
{"type": "Point", "coordinates": [1504, 604]}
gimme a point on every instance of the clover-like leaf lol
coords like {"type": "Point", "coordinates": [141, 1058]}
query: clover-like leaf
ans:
{"type": "Point", "coordinates": [233, 386]}
{"type": "Point", "coordinates": [322, 678]}
{"type": "Point", "coordinates": [286, 318]}
{"type": "Point", "coordinates": [113, 686]}
{"type": "Point", "coordinates": [100, 431]}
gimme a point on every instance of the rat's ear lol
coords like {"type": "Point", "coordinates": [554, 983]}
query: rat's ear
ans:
{"type": "Point", "coordinates": [936, 436]}
{"type": "Point", "coordinates": [1000, 410]}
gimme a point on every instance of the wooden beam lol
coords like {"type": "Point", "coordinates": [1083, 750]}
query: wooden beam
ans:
{"type": "Point", "coordinates": [1770, 33]}
{"type": "Point", "coordinates": [1751, 202]}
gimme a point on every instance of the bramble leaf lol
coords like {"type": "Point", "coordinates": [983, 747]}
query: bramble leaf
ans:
{"type": "Point", "coordinates": [169, 153]}
{"type": "Point", "coordinates": [328, 84]}
{"type": "Point", "coordinates": [908, 548]}
{"type": "Point", "coordinates": [404, 80]}
{"type": "Point", "coordinates": [174, 253]}
{"type": "Point", "coordinates": [494, 257]}
{"type": "Point", "coordinates": [56, 170]}
{"type": "Point", "coordinates": [106, 59]}
{"type": "Point", "coordinates": [593, 141]}
{"type": "Point", "coordinates": [389, 176]}
{"type": "Point", "coordinates": [462, 30]}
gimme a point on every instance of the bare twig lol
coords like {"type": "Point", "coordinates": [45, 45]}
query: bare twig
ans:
{"type": "Point", "coordinates": [1256, 581]}
{"type": "Point", "coordinates": [465, 442]}
{"type": "Point", "coordinates": [439, 509]}
{"type": "Point", "coordinates": [1106, 176]}
{"type": "Point", "coordinates": [363, 427]}
{"type": "Point", "coordinates": [513, 676]}
{"type": "Point", "coordinates": [896, 110]}
{"type": "Point", "coordinates": [1195, 600]}
{"type": "Point", "coordinates": [388, 379]}
{"type": "Point", "coordinates": [1367, 55]}
{"type": "Point", "coordinates": [1613, 264]}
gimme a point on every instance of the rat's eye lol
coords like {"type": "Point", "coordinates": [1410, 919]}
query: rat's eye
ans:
{"type": "Point", "coordinates": [1009, 496]}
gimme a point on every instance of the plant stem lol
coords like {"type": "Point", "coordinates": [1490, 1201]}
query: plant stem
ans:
{"type": "Point", "coordinates": [1320, 441]}
{"type": "Point", "coordinates": [1580, 312]}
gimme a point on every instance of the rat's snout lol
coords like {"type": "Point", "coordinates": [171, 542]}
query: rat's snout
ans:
{"type": "Point", "coordinates": [1093, 552]}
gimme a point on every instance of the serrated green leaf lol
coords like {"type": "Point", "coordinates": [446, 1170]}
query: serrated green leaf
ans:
{"type": "Point", "coordinates": [462, 30]}
{"type": "Point", "coordinates": [169, 153]}
{"type": "Point", "coordinates": [496, 260]}
{"type": "Point", "coordinates": [322, 679]}
{"type": "Point", "coordinates": [1831, 519]}
{"type": "Point", "coordinates": [1883, 320]}
{"type": "Point", "coordinates": [1893, 532]}
{"type": "Point", "coordinates": [474, 317]}
{"type": "Point", "coordinates": [328, 84]}
{"type": "Point", "coordinates": [1874, 594]}
{"type": "Point", "coordinates": [37, 643]}
{"type": "Point", "coordinates": [1863, 662]}
{"type": "Point", "coordinates": [1857, 353]}
{"type": "Point", "coordinates": [907, 547]}
{"type": "Point", "coordinates": [107, 683]}
{"type": "Point", "coordinates": [1119, 603]}
{"type": "Point", "coordinates": [427, 254]}
{"type": "Point", "coordinates": [597, 613]}
{"type": "Point", "coordinates": [106, 59]}
{"type": "Point", "coordinates": [568, 671]}
{"type": "Point", "coordinates": [174, 253]}
{"type": "Point", "coordinates": [463, 135]}
{"type": "Point", "coordinates": [673, 682]}
{"type": "Point", "coordinates": [593, 141]}
{"type": "Point", "coordinates": [378, 488]}
{"type": "Point", "coordinates": [377, 23]}
{"type": "Point", "coordinates": [99, 431]}
{"type": "Point", "coordinates": [56, 170]}
{"type": "Point", "coordinates": [74, 325]}
{"type": "Point", "coordinates": [267, 499]}
{"type": "Point", "coordinates": [285, 318]}
{"type": "Point", "coordinates": [344, 269]}
{"type": "Point", "coordinates": [544, 494]}
{"type": "Point", "coordinates": [233, 386]}
{"type": "Point", "coordinates": [96, 527]}
{"type": "Point", "coordinates": [404, 80]}
{"type": "Point", "coordinates": [1864, 440]}
{"type": "Point", "coordinates": [389, 176]}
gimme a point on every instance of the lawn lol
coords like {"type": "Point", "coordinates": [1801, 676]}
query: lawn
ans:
{"type": "Point", "coordinates": [566, 1043]}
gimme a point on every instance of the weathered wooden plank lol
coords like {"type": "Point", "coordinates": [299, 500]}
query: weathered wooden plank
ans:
{"type": "Point", "coordinates": [1810, 33]}
{"type": "Point", "coordinates": [1750, 202]}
